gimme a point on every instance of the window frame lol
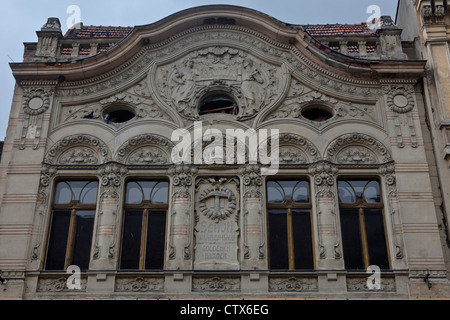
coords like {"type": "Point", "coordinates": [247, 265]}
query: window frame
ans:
{"type": "Point", "coordinates": [291, 205]}
{"type": "Point", "coordinates": [146, 206]}
{"type": "Point", "coordinates": [363, 206]}
{"type": "Point", "coordinates": [73, 206]}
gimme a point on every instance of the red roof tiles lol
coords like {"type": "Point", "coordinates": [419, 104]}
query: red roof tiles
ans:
{"type": "Point", "coordinates": [87, 32]}
{"type": "Point", "coordinates": [338, 29]}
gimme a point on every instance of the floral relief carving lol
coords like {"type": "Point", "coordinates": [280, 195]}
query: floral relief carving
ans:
{"type": "Point", "coordinates": [111, 180]}
{"type": "Point", "coordinates": [324, 179]}
{"type": "Point", "coordinates": [293, 149]}
{"type": "Point", "coordinates": [290, 155]}
{"type": "Point", "coordinates": [360, 284]}
{"type": "Point", "coordinates": [252, 181]}
{"type": "Point", "coordinates": [140, 150]}
{"type": "Point", "coordinates": [58, 285]}
{"type": "Point", "coordinates": [139, 284]}
{"type": "Point", "coordinates": [36, 101]}
{"type": "Point", "coordinates": [400, 99]}
{"type": "Point", "coordinates": [357, 139]}
{"type": "Point", "coordinates": [216, 284]}
{"type": "Point", "coordinates": [293, 284]}
{"type": "Point", "coordinates": [293, 107]}
{"type": "Point", "coordinates": [182, 180]}
{"type": "Point", "coordinates": [148, 155]}
{"type": "Point", "coordinates": [76, 141]}
{"type": "Point", "coordinates": [78, 156]}
{"type": "Point", "coordinates": [356, 155]}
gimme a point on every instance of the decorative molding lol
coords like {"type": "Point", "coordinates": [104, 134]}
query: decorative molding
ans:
{"type": "Point", "coordinates": [131, 153]}
{"type": "Point", "coordinates": [324, 179]}
{"type": "Point", "coordinates": [77, 156]}
{"type": "Point", "coordinates": [400, 99]}
{"type": "Point", "coordinates": [216, 284]}
{"type": "Point", "coordinates": [36, 101]}
{"type": "Point", "coordinates": [253, 83]}
{"type": "Point", "coordinates": [77, 141]}
{"type": "Point", "coordinates": [356, 139]}
{"type": "Point", "coordinates": [111, 180]}
{"type": "Point", "coordinates": [59, 285]}
{"type": "Point", "coordinates": [139, 284]}
{"type": "Point", "coordinates": [359, 284]}
{"type": "Point", "coordinates": [390, 180]}
{"type": "Point", "coordinates": [218, 192]}
{"type": "Point", "coordinates": [293, 284]}
{"type": "Point", "coordinates": [293, 107]}
{"type": "Point", "coordinates": [182, 181]}
{"type": "Point", "coordinates": [252, 180]}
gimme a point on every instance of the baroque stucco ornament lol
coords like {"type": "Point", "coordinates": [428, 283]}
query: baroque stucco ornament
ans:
{"type": "Point", "coordinates": [36, 101]}
{"type": "Point", "coordinates": [254, 83]}
{"type": "Point", "coordinates": [364, 149]}
{"type": "Point", "coordinates": [219, 194]}
{"type": "Point", "coordinates": [400, 99]}
{"type": "Point", "coordinates": [59, 151]}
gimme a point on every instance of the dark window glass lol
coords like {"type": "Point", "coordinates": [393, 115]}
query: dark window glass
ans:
{"type": "Point", "coordinates": [83, 239]}
{"type": "Point", "coordinates": [376, 239]}
{"type": "Point", "coordinates": [156, 237]}
{"type": "Point", "coordinates": [278, 240]}
{"type": "Point", "coordinates": [290, 226]}
{"type": "Point", "coordinates": [302, 234]}
{"type": "Point", "coordinates": [144, 229]}
{"type": "Point", "coordinates": [362, 224]}
{"type": "Point", "coordinates": [346, 192]}
{"type": "Point", "coordinates": [56, 252]}
{"type": "Point", "coordinates": [131, 242]}
{"type": "Point", "coordinates": [275, 193]}
{"type": "Point", "coordinates": [372, 192]}
{"type": "Point", "coordinates": [301, 192]}
{"type": "Point", "coordinates": [351, 239]}
{"type": "Point", "coordinates": [72, 225]}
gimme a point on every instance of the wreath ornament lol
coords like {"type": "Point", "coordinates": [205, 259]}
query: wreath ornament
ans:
{"type": "Point", "coordinates": [216, 212]}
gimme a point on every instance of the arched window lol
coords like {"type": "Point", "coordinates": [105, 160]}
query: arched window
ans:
{"type": "Point", "coordinates": [362, 223]}
{"type": "Point", "coordinates": [72, 225]}
{"type": "Point", "coordinates": [144, 225]}
{"type": "Point", "coordinates": [290, 225]}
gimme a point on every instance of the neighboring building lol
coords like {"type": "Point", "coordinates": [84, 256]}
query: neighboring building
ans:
{"type": "Point", "coordinates": [426, 27]}
{"type": "Point", "coordinates": [89, 179]}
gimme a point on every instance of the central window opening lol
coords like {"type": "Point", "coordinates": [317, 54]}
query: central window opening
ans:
{"type": "Point", "coordinates": [118, 114]}
{"type": "Point", "coordinates": [218, 103]}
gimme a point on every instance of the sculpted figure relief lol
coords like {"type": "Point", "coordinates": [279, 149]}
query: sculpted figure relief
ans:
{"type": "Point", "coordinates": [183, 85]}
{"type": "Point", "coordinates": [253, 83]}
{"type": "Point", "coordinates": [252, 87]}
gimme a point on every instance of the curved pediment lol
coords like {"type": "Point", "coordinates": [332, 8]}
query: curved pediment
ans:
{"type": "Point", "coordinates": [216, 18]}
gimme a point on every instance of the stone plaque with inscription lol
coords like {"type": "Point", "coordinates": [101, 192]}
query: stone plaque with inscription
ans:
{"type": "Point", "coordinates": [217, 227]}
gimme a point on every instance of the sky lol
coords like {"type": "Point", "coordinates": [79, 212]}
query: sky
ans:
{"type": "Point", "coordinates": [20, 19]}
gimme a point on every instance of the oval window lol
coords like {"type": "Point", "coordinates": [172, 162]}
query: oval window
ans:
{"type": "Point", "coordinates": [317, 113]}
{"type": "Point", "coordinates": [118, 114]}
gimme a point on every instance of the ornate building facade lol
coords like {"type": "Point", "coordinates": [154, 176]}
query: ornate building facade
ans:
{"type": "Point", "coordinates": [89, 181]}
